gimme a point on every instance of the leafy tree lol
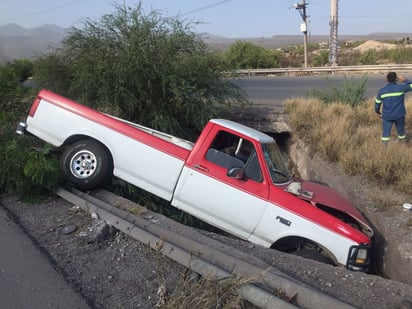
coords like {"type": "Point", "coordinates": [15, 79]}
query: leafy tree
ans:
{"type": "Point", "coordinates": [146, 68]}
{"type": "Point", "coordinates": [246, 55]}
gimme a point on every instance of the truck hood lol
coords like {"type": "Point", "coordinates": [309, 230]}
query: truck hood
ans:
{"type": "Point", "coordinates": [322, 194]}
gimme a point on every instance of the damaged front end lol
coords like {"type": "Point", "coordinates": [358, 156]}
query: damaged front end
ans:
{"type": "Point", "coordinates": [328, 200]}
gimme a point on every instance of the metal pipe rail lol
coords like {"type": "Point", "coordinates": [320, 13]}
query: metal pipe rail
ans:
{"type": "Point", "coordinates": [203, 258]}
{"type": "Point", "coordinates": [330, 70]}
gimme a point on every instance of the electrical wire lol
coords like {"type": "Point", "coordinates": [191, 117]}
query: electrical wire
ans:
{"type": "Point", "coordinates": [40, 12]}
{"type": "Point", "coordinates": [205, 7]}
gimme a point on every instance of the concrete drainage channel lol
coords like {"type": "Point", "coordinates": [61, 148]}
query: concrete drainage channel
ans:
{"type": "Point", "coordinates": [201, 254]}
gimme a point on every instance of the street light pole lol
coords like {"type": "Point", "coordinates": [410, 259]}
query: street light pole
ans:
{"type": "Point", "coordinates": [301, 7]}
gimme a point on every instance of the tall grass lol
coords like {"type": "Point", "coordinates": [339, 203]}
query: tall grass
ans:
{"type": "Point", "coordinates": [206, 293]}
{"type": "Point", "coordinates": [350, 136]}
{"type": "Point", "coordinates": [351, 92]}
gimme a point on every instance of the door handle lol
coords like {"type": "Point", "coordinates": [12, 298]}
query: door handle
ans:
{"type": "Point", "coordinates": [202, 168]}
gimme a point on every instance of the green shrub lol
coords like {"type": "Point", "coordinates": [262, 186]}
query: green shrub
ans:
{"type": "Point", "coordinates": [320, 59]}
{"type": "Point", "coordinates": [27, 168]}
{"type": "Point", "coordinates": [246, 55]}
{"type": "Point", "coordinates": [400, 55]}
{"type": "Point", "coordinates": [352, 92]}
{"type": "Point", "coordinates": [26, 165]}
{"type": "Point", "coordinates": [42, 167]}
{"type": "Point", "coordinates": [369, 57]}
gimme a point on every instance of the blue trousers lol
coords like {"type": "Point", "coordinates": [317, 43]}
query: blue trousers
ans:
{"type": "Point", "coordinates": [387, 128]}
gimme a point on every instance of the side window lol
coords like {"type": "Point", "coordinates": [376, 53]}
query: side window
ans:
{"type": "Point", "coordinates": [228, 150]}
{"type": "Point", "coordinates": [225, 142]}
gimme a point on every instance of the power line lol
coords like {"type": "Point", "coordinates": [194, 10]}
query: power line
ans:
{"type": "Point", "coordinates": [363, 16]}
{"type": "Point", "coordinates": [40, 12]}
{"type": "Point", "coordinates": [205, 7]}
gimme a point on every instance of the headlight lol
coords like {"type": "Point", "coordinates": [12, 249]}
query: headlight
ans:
{"type": "Point", "coordinates": [358, 258]}
{"type": "Point", "coordinates": [362, 256]}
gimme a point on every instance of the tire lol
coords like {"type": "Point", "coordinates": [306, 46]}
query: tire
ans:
{"type": "Point", "coordinates": [304, 248]}
{"type": "Point", "coordinates": [87, 164]}
{"type": "Point", "coordinates": [314, 254]}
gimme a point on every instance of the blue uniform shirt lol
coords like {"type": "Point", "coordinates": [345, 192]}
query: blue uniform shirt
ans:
{"type": "Point", "coordinates": [392, 99]}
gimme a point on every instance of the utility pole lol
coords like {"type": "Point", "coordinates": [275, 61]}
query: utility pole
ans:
{"type": "Point", "coordinates": [333, 39]}
{"type": "Point", "coordinates": [301, 7]}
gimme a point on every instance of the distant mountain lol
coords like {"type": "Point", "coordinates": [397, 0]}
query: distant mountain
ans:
{"type": "Point", "coordinates": [17, 42]}
{"type": "Point", "coordinates": [12, 30]}
{"type": "Point", "coordinates": [279, 41]}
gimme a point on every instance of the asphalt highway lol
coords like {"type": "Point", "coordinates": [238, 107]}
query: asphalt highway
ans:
{"type": "Point", "coordinates": [273, 90]}
{"type": "Point", "coordinates": [27, 278]}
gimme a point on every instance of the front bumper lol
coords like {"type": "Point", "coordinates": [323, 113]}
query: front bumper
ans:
{"type": "Point", "coordinates": [21, 128]}
{"type": "Point", "coordinates": [359, 258]}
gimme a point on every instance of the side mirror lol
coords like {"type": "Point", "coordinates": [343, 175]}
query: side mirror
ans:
{"type": "Point", "coordinates": [235, 172]}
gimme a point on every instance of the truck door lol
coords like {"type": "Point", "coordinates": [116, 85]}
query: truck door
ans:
{"type": "Point", "coordinates": [207, 191]}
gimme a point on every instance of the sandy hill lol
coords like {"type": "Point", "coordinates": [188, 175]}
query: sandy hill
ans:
{"type": "Point", "coordinates": [371, 44]}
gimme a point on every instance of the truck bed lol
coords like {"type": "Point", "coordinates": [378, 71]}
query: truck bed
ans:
{"type": "Point", "coordinates": [144, 157]}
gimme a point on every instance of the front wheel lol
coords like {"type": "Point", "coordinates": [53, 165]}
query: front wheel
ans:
{"type": "Point", "coordinates": [304, 248]}
{"type": "Point", "coordinates": [87, 164]}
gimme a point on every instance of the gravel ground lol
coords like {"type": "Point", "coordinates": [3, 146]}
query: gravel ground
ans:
{"type": "Point", "coordinates": [120, 272]}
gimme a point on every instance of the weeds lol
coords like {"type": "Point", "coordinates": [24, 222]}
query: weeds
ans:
{"type": "Point", "coordinates": [205, 293]}
{"type": "Point", "coordinates": [350, 136]}
{"type": "Point", "coordinates": [352, 92]}
{"type": "Point", "coordinates": [26, 167]}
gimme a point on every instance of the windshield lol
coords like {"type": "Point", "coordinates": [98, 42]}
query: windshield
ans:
{"type": "Point", "coordinates": [277, 168]}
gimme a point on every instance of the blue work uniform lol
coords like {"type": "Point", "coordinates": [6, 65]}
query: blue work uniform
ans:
{"type": "Point", "coordinates": [392, 100]}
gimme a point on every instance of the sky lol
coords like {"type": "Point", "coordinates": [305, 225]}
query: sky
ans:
{"type": "Point", "coordinates": [229, 18]}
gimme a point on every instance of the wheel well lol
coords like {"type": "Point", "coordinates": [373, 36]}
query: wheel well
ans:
{"type": "Point", "coordinates": [292, 244]}
{"type": "Point", "coordinates": [75, 138]}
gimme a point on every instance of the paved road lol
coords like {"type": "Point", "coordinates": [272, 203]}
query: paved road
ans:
{"type": "Point", "coordinates": [27, 279]}
{"type": "Point", "coordinates": [274, 90]}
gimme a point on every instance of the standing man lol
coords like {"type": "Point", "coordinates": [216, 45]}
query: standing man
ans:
{"type": "Point", "coordinates": [392, 99]}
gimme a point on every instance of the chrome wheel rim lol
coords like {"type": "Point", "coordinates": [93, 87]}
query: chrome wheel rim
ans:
{"type": "Point", "coordinates": [83, 164]}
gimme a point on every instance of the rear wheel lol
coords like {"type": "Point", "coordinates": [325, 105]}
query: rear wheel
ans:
{"type": "Point", "coordinates": [87, 164]}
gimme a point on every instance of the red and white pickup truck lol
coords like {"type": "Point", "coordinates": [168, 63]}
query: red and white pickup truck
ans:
{"type": "Point", "coordinates": [233, 178]}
